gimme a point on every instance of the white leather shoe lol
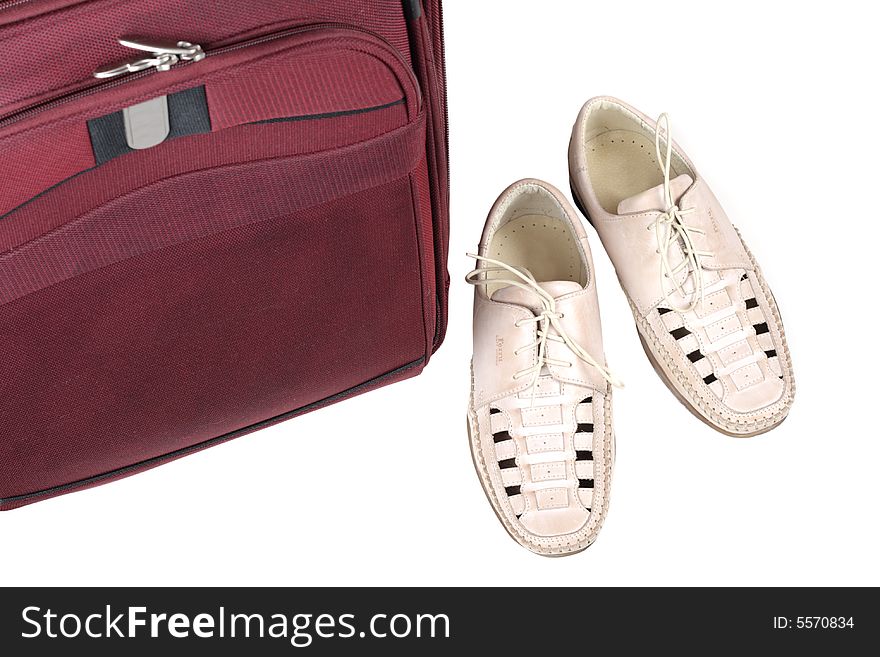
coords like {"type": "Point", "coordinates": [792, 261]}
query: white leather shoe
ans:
{"type": "Point", "coordinates": [540, 407]}
{"type": "Point", "coordinates": [704, 312]}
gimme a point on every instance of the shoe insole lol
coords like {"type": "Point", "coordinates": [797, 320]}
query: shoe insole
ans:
{"type": "Point", "coordinates": [541, 244]}
{"type": "Point", "coordinates": [622, 163]}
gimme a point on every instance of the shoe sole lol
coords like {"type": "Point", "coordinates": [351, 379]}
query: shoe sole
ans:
{"type": "Point", "coordinates": [694, 410]}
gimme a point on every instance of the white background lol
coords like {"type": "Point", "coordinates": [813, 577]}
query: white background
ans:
{"type": "Point", "coordinates": [776, 103]}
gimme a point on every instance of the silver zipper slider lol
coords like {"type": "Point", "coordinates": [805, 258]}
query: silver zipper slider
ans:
{"type": "Point", "coordinates": [164, 55]}
{"type": "Point", "coordinates": [186, 51]}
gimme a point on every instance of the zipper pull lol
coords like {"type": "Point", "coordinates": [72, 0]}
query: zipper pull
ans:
{"type": "Point", "coordinates": [165, 54]}
{"type": "Point", "coordinates": [185, 50]}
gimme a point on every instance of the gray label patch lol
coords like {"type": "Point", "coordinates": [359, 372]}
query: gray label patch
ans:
{"type": "Point", "coordinates": [147, 124]}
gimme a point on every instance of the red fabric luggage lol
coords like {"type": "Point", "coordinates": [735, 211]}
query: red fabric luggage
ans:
{"type": "Point", "coordinates": [243, 219]}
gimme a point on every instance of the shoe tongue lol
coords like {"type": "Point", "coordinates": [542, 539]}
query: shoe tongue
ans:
{"type": "Point", "coordinates": [654, 199]}
{"type": "Point", "coordinates": [527, 298]}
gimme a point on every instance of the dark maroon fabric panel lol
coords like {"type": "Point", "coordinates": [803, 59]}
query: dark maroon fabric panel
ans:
{"type": "Point", "coordinates": [393, 376]}
{"type": "Point", "coordinates": [321, 84]}
{"type": "Point", "coordinates": [39, 163]}
{"type": "Point", "coordinates": [422, 193]}
{"type": "Point", "coordinates": [176, 297]}
{"type": "Point", "coordinates": [19, 11]}
{"type": "Point", "coordinates": [82, 38]}
{"type": "Point", "coordinates": [248, 143]}
{"type": "Point", "coordinates": [238, 90]}
{"type": "Point", "coordinates": [200, 203]}
{"type": "Point", "coordinates": [429, 65]}
{"type": "Point", "coordinates": [186, 344]}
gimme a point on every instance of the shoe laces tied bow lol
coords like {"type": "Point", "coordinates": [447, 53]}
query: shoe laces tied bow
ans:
{"type": "Point", "coordinates": [548, 318]}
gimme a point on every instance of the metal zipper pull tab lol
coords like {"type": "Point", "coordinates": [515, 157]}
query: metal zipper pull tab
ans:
{"type": "Point", "coordinates": [184, 50]}
{"type": "Point", "coordinates": [164, 55]}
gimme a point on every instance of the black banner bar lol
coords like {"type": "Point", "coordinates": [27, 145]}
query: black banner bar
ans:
{"type": "Point", "coordinates": [433, 621]}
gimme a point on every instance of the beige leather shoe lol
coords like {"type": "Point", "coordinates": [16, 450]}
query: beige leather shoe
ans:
{"type": "Point", "coordinates": [540, 407]}
{"type": "Point", "coordinates": [704, 312]}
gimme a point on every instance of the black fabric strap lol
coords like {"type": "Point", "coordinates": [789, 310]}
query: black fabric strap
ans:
{"type": "Point", "coordinates": [187, 115]}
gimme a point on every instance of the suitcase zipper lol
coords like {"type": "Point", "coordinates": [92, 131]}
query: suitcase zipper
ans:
{"type": "Point", "coordinates": [164, 56]}
{"type": "Point", "coordinates": [13, 3]}
{"type": "Point", "coordinates": [129, 71]}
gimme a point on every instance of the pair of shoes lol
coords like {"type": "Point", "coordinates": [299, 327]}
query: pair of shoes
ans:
{"type": "Point", "coordinates": [539, 416]}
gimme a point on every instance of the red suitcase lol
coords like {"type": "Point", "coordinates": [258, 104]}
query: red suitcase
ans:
{"type": "Point", "coordinates": [244, 218]}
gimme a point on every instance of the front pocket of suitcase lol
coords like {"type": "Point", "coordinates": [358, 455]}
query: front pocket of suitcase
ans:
{"type": "Point", "coordinates": [264, 281]}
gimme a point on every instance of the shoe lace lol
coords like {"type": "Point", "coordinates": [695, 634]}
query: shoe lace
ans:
{"type": "Point", "coordinates": [671, 229]}
{"type": "Point", "coordinates": [548, 318]}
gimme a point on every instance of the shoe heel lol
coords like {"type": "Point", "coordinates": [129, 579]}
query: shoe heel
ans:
{"type": "Point", "coordinates": [579, 205]}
